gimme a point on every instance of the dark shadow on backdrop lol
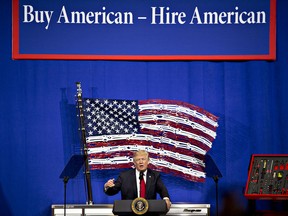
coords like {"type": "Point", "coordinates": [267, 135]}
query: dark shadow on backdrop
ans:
{"type": "Point", "coordinates": [70, 127]}
{"type": "Point", "coordinates": [4, 205]}
{"type": "Point", "coordinates": [227, 151]}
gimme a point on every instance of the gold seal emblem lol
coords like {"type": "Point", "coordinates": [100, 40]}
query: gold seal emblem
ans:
{"type": "Point", "coordinates": [139, 206]}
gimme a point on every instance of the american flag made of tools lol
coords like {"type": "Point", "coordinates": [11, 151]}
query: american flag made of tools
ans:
{"type": "Point", "coordinates": [176, 134]}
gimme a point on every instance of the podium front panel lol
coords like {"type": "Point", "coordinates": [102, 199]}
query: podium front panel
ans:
{"type": "Point", "coordinates": [177, 209]}
{"type": "Point", "coordinates": [189, 209]}
{"type": "Point", "coordinates": [70, 212]}
{"type": "Point", "coordinates": [124, 207]}
{"type": "Point", "coordinates": [83, 210]}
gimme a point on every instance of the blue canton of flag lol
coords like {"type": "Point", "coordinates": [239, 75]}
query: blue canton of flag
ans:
{"type": "Point", "coordinates": [111, 117]}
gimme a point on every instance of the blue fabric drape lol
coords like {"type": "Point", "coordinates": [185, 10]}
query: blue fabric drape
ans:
{"type": "Point", "coordinates": [39, 127]}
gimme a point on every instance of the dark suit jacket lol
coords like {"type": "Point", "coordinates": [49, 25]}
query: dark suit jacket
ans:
{"type": "Point", "coordinates": [126, 183]}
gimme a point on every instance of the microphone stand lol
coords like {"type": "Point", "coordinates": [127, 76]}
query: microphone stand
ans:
{"type": "Point", "coordinates": [65, 180]}
{"type": "Point", "coordinates": [216, 179]}
{"type": "Point", "coordinates": [70, 171]}
{"type": "Point", "coordinates": [213, 172]}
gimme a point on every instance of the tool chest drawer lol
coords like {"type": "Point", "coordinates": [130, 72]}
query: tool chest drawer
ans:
{"type": "Point", "coordinates": [267, 177]}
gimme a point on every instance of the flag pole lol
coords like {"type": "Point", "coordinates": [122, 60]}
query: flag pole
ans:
{"type": "Point", "coordinates": [83, 140]}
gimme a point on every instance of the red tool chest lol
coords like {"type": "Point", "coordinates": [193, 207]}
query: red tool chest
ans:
{"type": "Point", "coordinates": [268, 177]}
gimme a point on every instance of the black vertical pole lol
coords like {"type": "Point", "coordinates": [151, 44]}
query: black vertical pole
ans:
{"type": "Point", "coordinates": [216, 183]}
{"type": "Point", "coordinates": [83, 139]}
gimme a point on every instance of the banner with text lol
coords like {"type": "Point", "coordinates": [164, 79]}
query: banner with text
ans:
{"type": "Point", "coordinates": [144, 30]}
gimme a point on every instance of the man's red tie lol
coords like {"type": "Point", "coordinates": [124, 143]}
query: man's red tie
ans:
{"type": "Point", "coordinates": [142, 185]}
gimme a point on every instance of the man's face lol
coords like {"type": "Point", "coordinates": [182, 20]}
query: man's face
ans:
{"type": "Point", "coordinates": [141, 162]}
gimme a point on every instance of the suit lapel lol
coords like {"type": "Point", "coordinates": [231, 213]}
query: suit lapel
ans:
{"type": "Point", "coordinates": [149, 179]}
{"type": "Point", "coordinates": [134, 183]}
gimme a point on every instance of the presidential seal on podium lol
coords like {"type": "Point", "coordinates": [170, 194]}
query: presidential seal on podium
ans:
{"type": "Point", "coordinates": [139, 206]}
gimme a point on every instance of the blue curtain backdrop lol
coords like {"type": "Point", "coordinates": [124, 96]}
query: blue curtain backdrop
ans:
{"type": "Point", "coordinates": [39, 128]}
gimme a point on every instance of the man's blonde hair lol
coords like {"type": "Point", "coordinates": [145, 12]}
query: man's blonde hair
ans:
{"type": "Point", "coordinates": [140, 152]}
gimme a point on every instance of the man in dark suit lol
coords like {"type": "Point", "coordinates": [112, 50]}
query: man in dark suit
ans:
{"type": "Point", "coordinates": [128, 182]}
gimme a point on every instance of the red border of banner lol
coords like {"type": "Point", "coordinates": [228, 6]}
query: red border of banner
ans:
{"type": "Point", "coordinates": [16, 55]}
